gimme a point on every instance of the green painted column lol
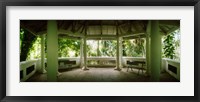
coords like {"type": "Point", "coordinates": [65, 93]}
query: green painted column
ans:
{"type": "Point", "coordinates": [81, 53]}
{"type": "Point", "coordinates": [98, 52]}
{"type": "Point", "coordinates": [98, 48]}
{"type": "Point", "coordinates": [43, 70]}
{"type": "Point", "coordinates": [148, 32]}
{"type": "Point", "coordinates": [52, 51]}
{"type": "Point", "coordinates": [120, 52]}
{"type": "Point", "coordinates": [155, 51]}
{"type": "Point", "coordinates": [118, 55]}
{"type": "Point", "coordinates": [85, 54]}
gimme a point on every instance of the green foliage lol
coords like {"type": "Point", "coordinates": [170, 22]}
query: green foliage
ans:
{"type": "Point", "coordinates": [108, 48]}
{"type": "Point", "coordinates": [68, 47]}
{"type": "Point", "coordinates": [26, 42]}
{"type": "Point", "coordinates": [134, 47]}
{"type": "Point", "coordinates": [139, 46]}
{"type": "Point", "coordinates": [21, 36]}
{"type": "Point", "coordinates": [35, 50]}
{"type": "Point", "coordinates": [91, 48]}
{"type": "Point", "coordinates": [171, 45]}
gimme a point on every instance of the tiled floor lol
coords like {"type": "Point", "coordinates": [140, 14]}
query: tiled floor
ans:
{"type": "Point", "coordinates": [101, 75]}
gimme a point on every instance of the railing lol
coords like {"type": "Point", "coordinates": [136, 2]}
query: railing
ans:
{"type": "Point", "coordinates": [101, 61]}
{"type": "Point", "coordinates": [28, 68]}
{"type": "Point", "coordinates": [172, 67]}
{"type": "Point", "coordinates": [63, 65]}
{"type": "Point", "coordinates": [93, 61]}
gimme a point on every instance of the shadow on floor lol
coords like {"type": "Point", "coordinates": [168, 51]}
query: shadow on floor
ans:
{"type": "Point", "coordinates": [101, 75]}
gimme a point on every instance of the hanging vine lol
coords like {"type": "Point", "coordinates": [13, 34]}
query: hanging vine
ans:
{"type": "Point", "coordinates": [169, 46]}
{"type": "Point", "coordinates": [26, 42]}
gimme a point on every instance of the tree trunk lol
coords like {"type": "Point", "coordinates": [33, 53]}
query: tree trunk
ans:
{"type": "Point", "coordinates": [27, 44]}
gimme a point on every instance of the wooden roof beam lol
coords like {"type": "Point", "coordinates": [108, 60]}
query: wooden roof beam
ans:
{"type": "Point", "coordinates": [101, 36]}
{"type": "Point", "coordinates": [128, 35]}
{"type": "Point", "coordinates": [70, 33]}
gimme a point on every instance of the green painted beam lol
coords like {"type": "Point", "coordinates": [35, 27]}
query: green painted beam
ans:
{"type": "Point", "coordinates": [101, 36]}
{"type": "Point", "coordinates": [69, 37]}
{"type": "Point", "coordinates": [132, 34]}
{"type": "Point", "coordinates": [172, 30]}
{"type": "Point", "coordinates": [42, 32]}
{"type": "Point", "coordinates": [70, 33]}
{"type": "Point", "coordinates": [32, 32]}
{"type": "Point", "coordinates": [135, 37]}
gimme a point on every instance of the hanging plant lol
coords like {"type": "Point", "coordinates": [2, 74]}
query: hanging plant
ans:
{"type": "Point", "coordinates": [169, 46]}
{"type": "Point", "coordinates": [139, 46]}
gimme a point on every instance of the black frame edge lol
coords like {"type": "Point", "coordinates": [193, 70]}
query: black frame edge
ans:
{"type": "Point", "coordinates": [2, 52]}
{"type": "Point", "coordinates": [196, 49]}
{"type": "Point", "coordinates": [4, 98]}
{"type": "Point", "coordinates": [101, 2]}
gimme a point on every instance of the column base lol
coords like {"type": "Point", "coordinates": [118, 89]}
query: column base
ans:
{"type": "Point", "coordinates": [81, 66]}
{"type": "Point", "coordinates": [58, 74]}
{"type": "Point", "coordinates": [44, 71]}
{"type": "Point", "coordinates": [85, 68]}
{"type": "Point", "coordinates": [147, 74]}
{"type": "Point", "coordinates": [155, 79]}
{"type": "Point", "coordinates": [119, 69]}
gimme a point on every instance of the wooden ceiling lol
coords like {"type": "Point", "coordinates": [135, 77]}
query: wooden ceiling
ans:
{"type": "Point", "coordinates": [99, 28]}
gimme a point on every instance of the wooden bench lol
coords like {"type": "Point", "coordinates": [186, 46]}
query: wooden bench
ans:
{"type": "Point", "coordinates": [67, 63]}
{"type": "Point", "coordinates": [136, 65]}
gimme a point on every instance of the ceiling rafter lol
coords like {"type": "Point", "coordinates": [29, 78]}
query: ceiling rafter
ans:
{"type": "Point", "coordinates": [80, 28]}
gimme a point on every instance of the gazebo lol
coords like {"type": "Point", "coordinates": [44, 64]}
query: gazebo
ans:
{"type": "Point", "coordinates": [151, 30]}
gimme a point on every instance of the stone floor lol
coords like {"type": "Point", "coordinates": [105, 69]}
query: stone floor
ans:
{"type": "Point", "coordinates": [101, 75]}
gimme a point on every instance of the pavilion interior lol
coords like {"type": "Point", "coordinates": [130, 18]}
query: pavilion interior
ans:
{"type": "Point", "coordinates": [50, 68]}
